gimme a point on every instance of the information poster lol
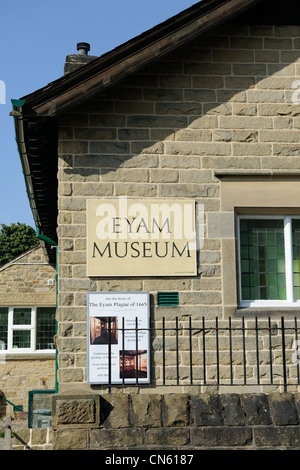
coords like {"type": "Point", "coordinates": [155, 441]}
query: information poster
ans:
{"type": "Point", "coordinates": [118, 337]}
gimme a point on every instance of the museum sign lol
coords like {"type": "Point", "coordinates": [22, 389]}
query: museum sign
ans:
{"type": "Point", "coordinates": [129, 237]}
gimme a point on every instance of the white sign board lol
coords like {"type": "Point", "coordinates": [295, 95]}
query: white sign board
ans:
{"type": "Point", "coordinates": [118, 338]}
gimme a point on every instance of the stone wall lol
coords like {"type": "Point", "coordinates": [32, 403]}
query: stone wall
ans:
{"type": "Point", "coordinates": [178, 421]}
{"type": "Point", "coordinates": [24, 282]}
{"type": "Point", "coordinates": [32, 439]}
{"type": "Point", "coordinates": [222, 104]}
{"type": "Point", "coordinates": [19, 375]}
{"type": "Point", "coordinates": [220, 107]}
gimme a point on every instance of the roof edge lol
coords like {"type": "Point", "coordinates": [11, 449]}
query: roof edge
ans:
{"type": "Point", "coordinates": [25, 253]}
{"type": "Point", "coordinates": [67, 92]}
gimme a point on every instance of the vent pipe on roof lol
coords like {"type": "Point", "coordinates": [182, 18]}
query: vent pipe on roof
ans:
{"type": "Point", "coordinates": [83, 48]}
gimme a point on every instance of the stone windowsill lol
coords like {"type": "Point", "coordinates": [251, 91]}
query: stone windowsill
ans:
{"type": "Point", "coordinates": [6, 356]}
{"type": "Point", "coordinates": [289, 312]}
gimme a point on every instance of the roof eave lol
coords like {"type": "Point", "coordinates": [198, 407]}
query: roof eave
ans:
{"type": "Point", "coordinates": [43, 208]}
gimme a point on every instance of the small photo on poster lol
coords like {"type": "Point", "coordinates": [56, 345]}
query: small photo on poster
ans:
{"type": "Point", "coordinates": [103, 330]}
{"type": "Point", "coordinates": [133, 364]}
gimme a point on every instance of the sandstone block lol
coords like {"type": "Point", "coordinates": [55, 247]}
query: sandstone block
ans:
{"type": "Point", "coordinates": [193, 135]}
{"type": "Point", "coordinates": [231, 162]}
{"type": "Point", "coordinates": [107, 120]}
{"type": "Point", "coordinates": [70, 439]}
{"type": "Point", "coordinates": [133, 134]}
{"type": "Point", "coordinates": [245, 122]}
{"type": "Point", "coordinates": [249, 69]}
{"type": "Point", "coordinates": [244, 109]}
{"type": "Point", "coordinates": [251, 149]}
{"type": "Point", "coordinates": [116, 439]}
{"type": "Point", "coordinates": [164, 176]}
{"type": "Point", "coordinates": [201, 96]}
{"type": "Point", "coordinates": [73, 147]}
{"type": "Point", "coordinates": [138, 189]}
{"type": "Point", "coordinates": [179, 162]}
{"type": "Point", "coordinates": [178, 108]}
{"type": "Point", "coordinates": [276, 83]}
{"type": "Point", "coordinates": [134, 107]}
{"type": "Point", "coordinates": [220, 225]}
{"type": "Point", "coordinates": [88, 133]}
{"type": "Point", "coordinates": [217, 436]}
{"type": "Point", "coordinates": [157, 121]}
{"type": "Point", "coordinates": [76, 410]}
{"type": "Point", "coordinates": [257, 410]}
{"type": "Point", "coordinates": [265, 96]}
{"type": "Point", "coordinates": [175, 81]}
{"type": "Point", "coordinates": [223, 55]}
{"type": "Point", "coordinates": [278, 43]}
{"type": "Point", "coordinates": [176, 410]}
{"type": "Point", "coordinates": [239, 82]}
{"type": "Point", "coordinates": [195, 176]}
{"type": "Point", "coordinates": [167, 437]}
{"type": "Point", "coordinates": [163, 94]}
{"type": "Point", "coordinates": [283, 409]}
{"type": "Point", "coordinates": [125, 175]}
{"type": "Point", "coordinates": [238, 42]}
{"type": "Point", "coordinates": [115, 412]}
{"type": "Point", "coordinates": [189, 190]}
{"type": "Point", "coordinates": [146, 410]}
{"type": "Point", "coordinates": [147, 147]}
{"type": "Point", "coordinates": [193, 148]}
{"type": "Point", "coordinates": [207, 81]}
{"type": "Point", "coordinates": [266, 56]}
{"type": "Point", "coordinates": [207, 68]}
{"type": "Point", "coordinates": [233, 411]}
{"type": "Point", "coordinates": [270, 436]}
{"type": "Point", "coordinates": [206, 410]}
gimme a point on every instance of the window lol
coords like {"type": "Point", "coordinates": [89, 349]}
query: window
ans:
{"type": "Point", "coordinates": [27, 329]}
{"type": "Point", "coordinates": [269, 260]}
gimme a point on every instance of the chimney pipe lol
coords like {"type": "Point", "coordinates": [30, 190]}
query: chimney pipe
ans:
{"type": "Point", "coordinates": [83, 48]}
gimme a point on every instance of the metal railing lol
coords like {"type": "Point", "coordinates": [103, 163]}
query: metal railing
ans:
{"type": "Point", "coordinates": [233, 352]}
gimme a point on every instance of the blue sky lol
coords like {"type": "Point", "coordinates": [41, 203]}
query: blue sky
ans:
{"type": "Point", "coordinates": [35, 38]}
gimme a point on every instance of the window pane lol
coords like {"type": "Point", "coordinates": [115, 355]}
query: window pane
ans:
{"type": "Point", "coordinates": [22, 316]}
{"type": "Point", "coordinates": [263, 259]}
{"type": "Point", "coordinates": [296, 257]}
{"type": "Point", "coordinates": [3, 327]}
{"type": "Point", "coordinates": [45, 323]}
{"type": "Point", "coordinates": [21, 338]}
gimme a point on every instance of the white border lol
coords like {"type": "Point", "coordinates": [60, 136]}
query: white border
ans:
{"type": "Point", "coordinates": [126, 381]}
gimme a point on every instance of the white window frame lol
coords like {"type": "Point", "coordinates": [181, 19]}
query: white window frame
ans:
{"type": "Point", "coordinates": [31, 327]}
{"type": "Point", "coordinates": [288, 246]}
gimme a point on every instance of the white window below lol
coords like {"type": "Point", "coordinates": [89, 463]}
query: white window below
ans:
{"type": "Point", "coordinates": [27, 329]}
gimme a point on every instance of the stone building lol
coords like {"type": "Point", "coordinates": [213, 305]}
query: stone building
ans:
{"type": "Point", "coordinates": [198, 119]}
{"type": "Point", "coordinates": [27, 328]}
